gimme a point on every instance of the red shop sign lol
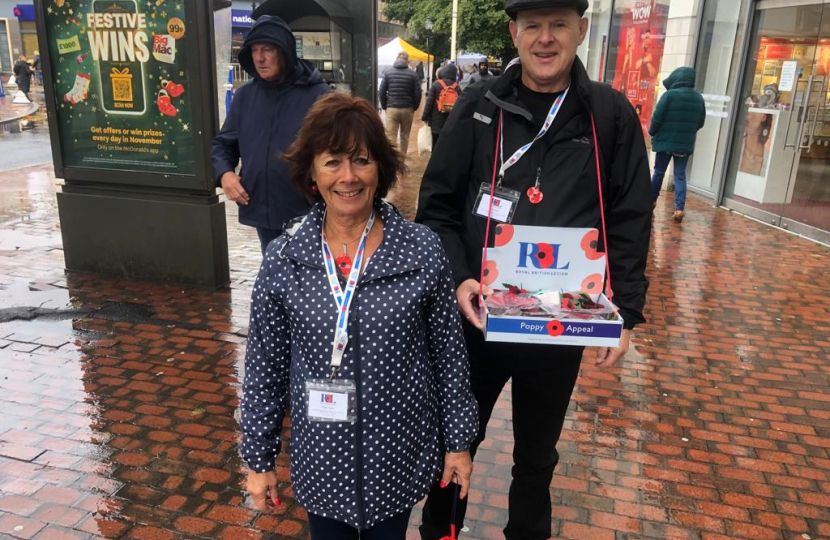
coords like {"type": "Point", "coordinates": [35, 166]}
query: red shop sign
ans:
{"type": "Point", "coordinates": [779, 52]}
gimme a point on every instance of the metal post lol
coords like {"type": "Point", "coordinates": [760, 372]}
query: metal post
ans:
{"type": "Point", "coordinates": [429, 65]}
{"type": "Point", "coordinates": [453, 40]}
{"type": "Point", "coordinates": [428, 27]}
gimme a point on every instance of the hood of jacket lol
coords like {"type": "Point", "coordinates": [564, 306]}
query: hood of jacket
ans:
{"type": "Point", "coordinates": [400, 64]}
{"type": "Point", "coordinates": [682, 77]}
{"type": "Point", "coordinates": [448, 73]}
{"type": "Point", "coordinates": [274, 30]}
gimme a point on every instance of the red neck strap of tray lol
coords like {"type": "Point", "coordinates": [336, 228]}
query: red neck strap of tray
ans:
{"type": "Point", "coordinates": [608, 291]}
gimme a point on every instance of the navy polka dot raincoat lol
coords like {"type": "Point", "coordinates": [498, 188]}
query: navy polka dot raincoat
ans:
{"type": "Point", "coordinates": [406, 354]}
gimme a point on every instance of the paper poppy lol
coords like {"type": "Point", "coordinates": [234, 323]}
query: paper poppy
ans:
{"type": "Point", "coordinates": [590, 243]}
{"type": "Point", "coordinates": [555, 328]}
{"type": "Point", "coordinates": [535, 195]}
{"type": "Point", "coordinates": [504, 233]}
{"type": "Point", "coordinates": [544, 255]}
{"type": "Point", "coordinates": [592, 284]}
{"type": "Point", "coordinates": [489, 273]}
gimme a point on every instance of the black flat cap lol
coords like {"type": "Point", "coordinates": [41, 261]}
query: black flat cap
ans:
{"type": "Point", "coordinates": [512, 7]}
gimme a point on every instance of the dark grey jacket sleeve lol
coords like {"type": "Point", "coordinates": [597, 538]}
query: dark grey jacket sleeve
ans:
{"type": "Point", "coordinates": [384, 88]}
{"type": "Point", "coordinates": [224, 151]}
{"type": "Point", "coordinates": [416, 92]}
{"type": "Point", "coordinates": [446, 179]}
{"type": "Point", "coordinates": [429, 106]}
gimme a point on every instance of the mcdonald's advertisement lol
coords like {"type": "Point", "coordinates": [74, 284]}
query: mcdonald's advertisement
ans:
{"type": "Point", "coordinates": [120, 78]}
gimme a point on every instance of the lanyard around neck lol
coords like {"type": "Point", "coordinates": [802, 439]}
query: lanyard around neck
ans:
{"type": "Point", "coordinates": [517, 155]}
{"type": "Point", "coordinates": [343, 297]}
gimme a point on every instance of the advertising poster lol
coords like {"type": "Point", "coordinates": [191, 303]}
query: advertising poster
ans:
{"type": "Point", "coordinates": [120, 75]}
{"type": "Point", "coordinates": [756, 142]}
{"type": "Point", "coordinates": [641, 41]}
{"type": "Point", "coordinates": [315, 45]}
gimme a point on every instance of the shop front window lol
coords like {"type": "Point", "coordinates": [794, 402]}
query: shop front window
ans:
{"type": "Point", "coordinates": [780, 167]}
{"type": "Point", "coordinates": [592, 52]}
{"type": "Point", "coordinates": [716, 67]}
{"type": "Point", "coordinates": [6, 62]}
{"type": "Point", "coordinates": [633, 68]}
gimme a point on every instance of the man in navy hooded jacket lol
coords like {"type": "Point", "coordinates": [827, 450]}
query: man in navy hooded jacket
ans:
{"type": "Point", "coordinates": [264, 119]}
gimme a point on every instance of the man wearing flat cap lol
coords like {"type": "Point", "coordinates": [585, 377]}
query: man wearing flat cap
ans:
{"type": "Point", "coordinates": [532, 129]}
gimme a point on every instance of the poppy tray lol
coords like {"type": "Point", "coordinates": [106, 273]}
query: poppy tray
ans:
{"type": "Point", "coordinates": [547, 260]}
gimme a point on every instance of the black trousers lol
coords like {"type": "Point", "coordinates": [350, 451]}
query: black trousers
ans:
{"type": "Point", "coordinates": [543, 379]}
{"type": "Point", "coordinates": [323, 528]}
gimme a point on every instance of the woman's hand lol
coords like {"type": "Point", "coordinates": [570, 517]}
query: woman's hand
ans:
{"type": "Point", "coordinates": [263, 486]}
{"type": "Point", "coordinates": [460, 466]}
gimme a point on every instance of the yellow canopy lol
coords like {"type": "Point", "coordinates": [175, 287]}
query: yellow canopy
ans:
{"type": "Point", "coordinates": [387, 53]}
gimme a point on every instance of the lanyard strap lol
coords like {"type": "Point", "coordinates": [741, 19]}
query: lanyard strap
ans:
{"type": "Point", "coordinates": [342, 297]}
{"type": "Point", "coordinates": [517, 155]}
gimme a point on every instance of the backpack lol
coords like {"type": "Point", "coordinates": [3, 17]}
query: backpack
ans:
{"type": "Point", "coordinates": [447, 97]}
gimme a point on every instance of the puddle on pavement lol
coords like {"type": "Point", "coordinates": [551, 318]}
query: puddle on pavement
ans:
{"type": "Point", "coordinates": [21, 295]}
{"type": "Point", "coordinates": [13, 240]}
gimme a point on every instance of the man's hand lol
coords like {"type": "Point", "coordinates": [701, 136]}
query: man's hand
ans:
{"type": "Point", "coordinates": [263, 487]}
{"type": "Point", "coordinates": [458, 467]}
{"type": "Point", "coordinates": [232, 186]}
{"type": "Point", "coordinates": [465, 294]}
{"type": "Point", "coordinates": [607, 357]}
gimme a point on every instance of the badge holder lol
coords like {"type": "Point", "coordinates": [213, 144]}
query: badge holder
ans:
{"type": "Point", "coordinates": [331, 400]}
{"type": "Point", "coordinates": [505, 201]}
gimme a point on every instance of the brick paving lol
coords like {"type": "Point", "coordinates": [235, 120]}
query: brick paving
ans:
{"type": "Point", "coordinates": [118, 397]}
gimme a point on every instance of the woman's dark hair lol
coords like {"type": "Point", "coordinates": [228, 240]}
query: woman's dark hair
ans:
{"type": "Point", "coordinates": [340, 123]}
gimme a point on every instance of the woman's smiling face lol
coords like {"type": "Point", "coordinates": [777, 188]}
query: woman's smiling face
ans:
{"type": "Point", "coordinates": [347, 182]}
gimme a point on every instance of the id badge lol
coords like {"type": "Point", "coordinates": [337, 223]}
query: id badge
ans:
{"type": "Point", "coordinates": [505, 201]}
{"type": "Point", "coordinates": [331, 401]}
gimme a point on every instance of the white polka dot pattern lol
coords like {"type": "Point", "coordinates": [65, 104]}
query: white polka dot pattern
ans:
{"type": "Point", "coordinates": [406, 354]}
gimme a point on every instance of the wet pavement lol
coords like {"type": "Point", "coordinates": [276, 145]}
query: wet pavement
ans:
{"type": "Point", "coordinates": [118, 397]}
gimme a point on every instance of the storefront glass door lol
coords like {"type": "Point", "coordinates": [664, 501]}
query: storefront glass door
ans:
{"type": "Point", "coordinates": [780, 168]}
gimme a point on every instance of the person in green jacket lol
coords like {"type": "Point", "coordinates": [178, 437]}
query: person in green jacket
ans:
{"type": "Point", "coordinates": [679, 114]}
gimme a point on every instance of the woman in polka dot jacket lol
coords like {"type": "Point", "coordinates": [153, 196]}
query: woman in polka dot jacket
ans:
{"type": "Point", "coordinates": [414, 417]}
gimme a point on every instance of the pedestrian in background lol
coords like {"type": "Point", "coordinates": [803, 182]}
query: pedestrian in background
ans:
{"type": "Point", "coordinates": [36, 64]}
{"type": "Point", "coordinates": [419, 71]}
{"type": "Point", "coordinates": [23, 74]}
{"type": "Point", "coordinates": [482, 73]}
{"type": "Point", "coordinates": [679, 114]}
{"type": "Point", "coordinates": [400, 96]}
{"type": "Point", "coordinates": [385, 411]}
{"type": "Point", "coordinates": [539, 112]}
{"type": "Point", "coordinates": [264, 119]}
{"type": "Point", "coordinates": [433, 114]}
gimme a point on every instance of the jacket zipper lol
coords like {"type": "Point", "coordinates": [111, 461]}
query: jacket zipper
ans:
{"type": "Point", "coordinates": [358, 381]}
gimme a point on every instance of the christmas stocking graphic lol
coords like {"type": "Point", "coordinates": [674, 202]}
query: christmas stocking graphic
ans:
{"type": "Point", "coordinates": [175, 90]}
{"type": "Point", "coordinates": [80, 91]}
{"type": "Point", "coordinates": [165, 105]}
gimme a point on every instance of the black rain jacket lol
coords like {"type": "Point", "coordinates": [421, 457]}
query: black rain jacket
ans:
{"type": "Point", "coordinates": [564, 160]}
{"type": "Point", "coordinates": [400, 88]}
{"type": "Point", "coordinates": [432, 115]}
